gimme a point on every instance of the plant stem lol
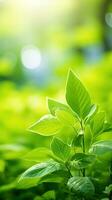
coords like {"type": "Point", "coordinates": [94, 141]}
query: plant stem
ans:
{"type": "Point", "coordinates": [83, 145]}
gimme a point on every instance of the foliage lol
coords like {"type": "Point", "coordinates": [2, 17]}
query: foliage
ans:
{"type": "Point", "coordinates": [75, 165]}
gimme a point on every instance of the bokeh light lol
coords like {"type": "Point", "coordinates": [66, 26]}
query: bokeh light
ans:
{"type": "Point", "coordinates": [31, 57]}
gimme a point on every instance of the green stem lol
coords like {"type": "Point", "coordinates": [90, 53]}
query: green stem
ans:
{"type": "Point", "coordinates": [83, 145]}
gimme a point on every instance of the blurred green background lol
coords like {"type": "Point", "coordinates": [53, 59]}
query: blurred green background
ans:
{"type": "Point", "coordinates": [39, 41]}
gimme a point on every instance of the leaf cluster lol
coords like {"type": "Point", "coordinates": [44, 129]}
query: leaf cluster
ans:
{"type": "Point", "coordinates": [71, 162]}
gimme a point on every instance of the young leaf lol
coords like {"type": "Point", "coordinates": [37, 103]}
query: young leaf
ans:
{"type": "Point", "coordinates": [46, 126]}
{"type": "Point", "coordinates": [65, 117]}
{"type": "Point", "coordinates": [60, 149]}
{"type": "Point", "coordinates": [81, 160]}
{"type": "Point", "coordinates": [102, 147]}
{"type": "Point", "coordinates": [77, 96]}
{"type": "Point", "coordinates": [97, 123]}
{"type": "Point", "coordinates": [33, 175]}
{"type": "Point", "coordinates": [55, 105]}
{"type": "Point", "coordinates": [92, 112]}
{"type": "Point", "coordinates": [81, 186]}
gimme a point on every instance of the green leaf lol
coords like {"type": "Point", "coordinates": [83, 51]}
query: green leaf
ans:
{"type": "Point", "coordinates": [59, 109]}
{"type": "Point", "coordinates": [34, 174]}
{"type": "Point", "coordinates": [88, 137]}
{"type": "Point", "coordinates": [81, 160]}
{"type": "Point", "coordinates": [92, 112]}
{"type": "Point", "coordinates": [65, 117]}
{"type": "Point", "coordinates": [81, 186]}
{"type": "Point", "coordinates": [42, 169]}
{"type": "Point", "coordinates": [39, 154]}
{"type": "Point", "coordinates": [97, 123]}
{"type": "Point", "coordinates": [46, 126]}
{"type": "Point", "coordinates": [49, 195]}
{"type": "Point", "coordinates": [104, 136]}
{"type": "Point", "coordinates": [67, 134]}
{"type": "Point", "coordinates": [102, 147]}
{"type": "Point", "coordinates": [78, 139]}
{"type": "Point", "coordinates": [77, 96]}
{"type": "Point", "coordinates": [55, 105]}
{"type": "Point", "coordinates": [57, 177]}
{"type": "Point", "coordinates": [25, 183]}
{"type": "Point", "coordinates": [60, 149]}
{"type": "Point", "coordinates": [107, 127]}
